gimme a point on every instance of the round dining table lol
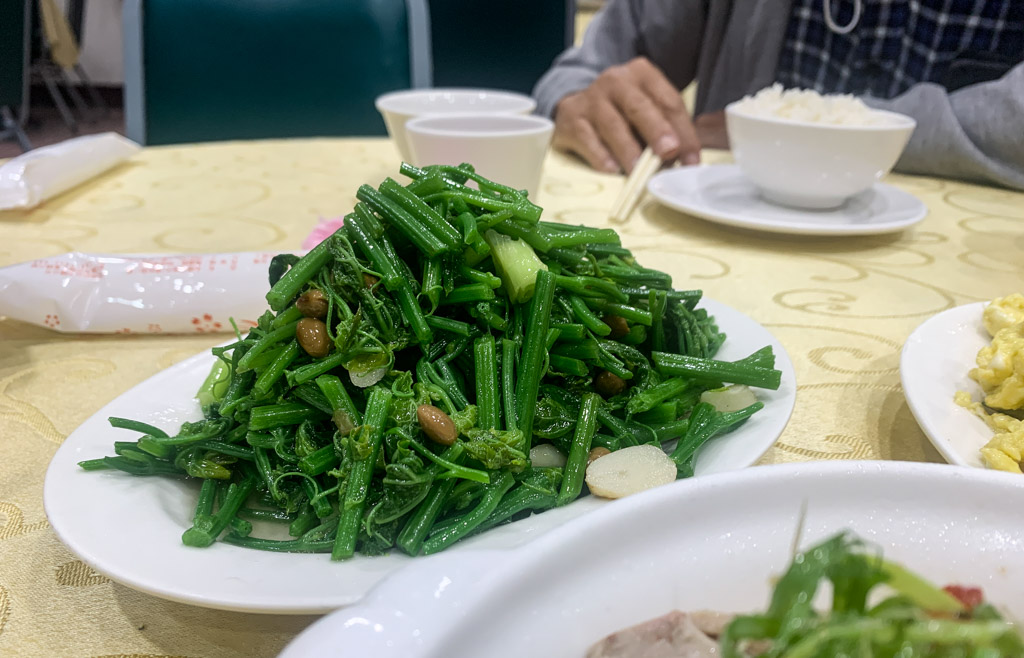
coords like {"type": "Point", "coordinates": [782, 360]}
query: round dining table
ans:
{"type": "Point", "coordinates": [842, 306]}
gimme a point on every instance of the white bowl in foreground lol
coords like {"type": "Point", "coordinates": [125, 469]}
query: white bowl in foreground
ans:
{"type": "Point", "coordinates": [508, 149]}
{"type": "Point", "coordinates": [398, 107]}
{"type": "Point", "coordinates": [711, 543]}
{"type": "Point", "coordinates": [814, 165]}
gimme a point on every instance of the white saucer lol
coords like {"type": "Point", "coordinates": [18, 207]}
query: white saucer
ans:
{"type": "Point", "coordinates": [722, 194]}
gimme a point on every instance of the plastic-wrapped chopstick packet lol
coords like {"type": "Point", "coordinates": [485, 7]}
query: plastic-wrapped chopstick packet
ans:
{"type": "Point", "coordinates": [96, 293]}
{"type": "Point", "coordinates": [43, 173]}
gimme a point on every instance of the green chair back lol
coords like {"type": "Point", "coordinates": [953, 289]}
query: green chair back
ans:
{"type": "Point", "coordinates": [13, 16]}
{"type": "Point", "coordinates": [204, 70]}
{"type": "Point", "coordinates": [501, 44]}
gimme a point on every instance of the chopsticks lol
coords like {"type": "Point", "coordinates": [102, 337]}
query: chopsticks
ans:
{"type": "Point", "coordinates": [646, 166]}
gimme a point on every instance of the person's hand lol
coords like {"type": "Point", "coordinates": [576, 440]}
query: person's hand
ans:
{"type": "Point", "coordinates": [601, 124]}
{"type": "Point", "coordinates": [711, 130]}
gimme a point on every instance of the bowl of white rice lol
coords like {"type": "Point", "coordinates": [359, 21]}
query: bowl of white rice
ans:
{"type": "Point", "coordinates": [807, 150]}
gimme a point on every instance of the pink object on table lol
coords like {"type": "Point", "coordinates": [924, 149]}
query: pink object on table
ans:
{"type": "Point", "coordinates": [322, 231]}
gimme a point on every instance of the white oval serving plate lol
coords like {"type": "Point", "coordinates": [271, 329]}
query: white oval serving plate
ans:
{"type": "Point", "coordinates": [933, 367]}
{"type": "Point", "coordinates": [710, 543]}
{"type": "Point", "coordinates": [129, 528]}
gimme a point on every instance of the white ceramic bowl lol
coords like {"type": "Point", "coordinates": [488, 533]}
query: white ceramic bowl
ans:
{"type": "Point", "coordinates": [811, 165]}
{"type": "Point", "coordinates": [398, 107]}
{"type": "Point", "coordinates": [708, 543]}
{"type": "Point", "coordinates": [508, 149]}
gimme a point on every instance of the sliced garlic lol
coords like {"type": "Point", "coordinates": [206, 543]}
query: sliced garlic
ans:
{"type": "Point", "coordinates": [629, 471]}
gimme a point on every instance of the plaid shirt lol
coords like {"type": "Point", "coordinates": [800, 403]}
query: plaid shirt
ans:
{"type": "Point", "coordinates": [896, 43]}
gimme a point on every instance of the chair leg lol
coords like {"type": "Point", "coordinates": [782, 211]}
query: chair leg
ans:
{"type": "Point", "coordinates": [58, 100]}
{"type": "Point", "coordinates": [73, 93]}
{"type": "Point", "coordinates": [26, 100]}
{"type": "Point", "coordinates": [12, 126]}
{"type": "Point", "coordinates": [94, 96]}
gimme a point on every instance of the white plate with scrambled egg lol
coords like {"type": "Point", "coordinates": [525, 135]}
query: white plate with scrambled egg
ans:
{"type": "Point", "coordinates": [955, 361]}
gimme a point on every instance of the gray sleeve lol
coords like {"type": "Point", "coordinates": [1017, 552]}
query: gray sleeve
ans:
{"type": "Point", "coordinates": [665, 31]}
{"type": "Point", "coordinates": [975, 133]}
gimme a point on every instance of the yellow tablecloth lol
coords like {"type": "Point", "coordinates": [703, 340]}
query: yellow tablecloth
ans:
{"type": "Point", "coordinates": [841, 306]}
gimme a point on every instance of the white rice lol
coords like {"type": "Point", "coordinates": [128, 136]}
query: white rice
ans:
{"type": "Point", "coordinates": [809, 106]}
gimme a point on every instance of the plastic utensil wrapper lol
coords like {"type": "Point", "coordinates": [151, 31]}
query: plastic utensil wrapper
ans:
{"type": "Point", "coordinates": [170, 294]}
{"type": "Point", "coordinates": [43, 173]}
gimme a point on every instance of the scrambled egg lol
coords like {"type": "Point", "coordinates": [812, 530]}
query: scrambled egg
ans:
{"type": "Point", "coordinates": [1005, 451]}
{"type": "Point", "coordinates": [1000, 373]}
{"type": "Point", "coordinates": [1000, 368]}
{"type": "Point", "coordinates": [1003, 312]}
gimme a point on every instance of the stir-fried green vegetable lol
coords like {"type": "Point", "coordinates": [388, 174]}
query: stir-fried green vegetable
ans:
{"type": "Point", "coordinates": [392, 394]}
{"type": "Point", "coordinates": [916, 620]}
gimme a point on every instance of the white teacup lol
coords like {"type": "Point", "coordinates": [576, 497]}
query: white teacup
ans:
{"type": "Point", "coordinates": [508, 149]}
{"type": "Point", "coordinates": [398, 107]}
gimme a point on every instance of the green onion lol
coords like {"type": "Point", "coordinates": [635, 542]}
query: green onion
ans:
{"type": "Point", "coordinates": [415, 231]}
{"type": "Point", "coordinates": [508, 383]}
{"type": "Point", "coordinates": [576, 464]}
{"type": "Point", "coordinates": [372, 432]}
{"type": "Point", "coordinates": [288, 286]}
{"type": "Point", "coordinates": [215, 385]}
{"type": "Point", "coordinates": [492, 496]}
{"type": "Point", "coordinates": [486, 360]}
{"type": "Point", "coordinates": [533, 353]}
{"type": "Point", "coordinates": [468, 294]}
{"type": "Point", "coordinates": [709, 370]}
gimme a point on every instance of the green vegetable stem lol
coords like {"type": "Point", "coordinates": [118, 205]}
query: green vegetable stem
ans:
{"type": "Point", "coordinates": [917, 620]}
{"type": "Point", "coordinates": [354, 502]}
{"type": "Point", "coordinates": [390, 397]}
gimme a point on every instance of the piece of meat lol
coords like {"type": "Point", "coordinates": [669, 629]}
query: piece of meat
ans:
{"type": "Point", "coordinates": [971, 597]}
{"type": "Point", "coordinates": [674, 635]}
{"type": "Point", "coordinates": [710, 622]}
